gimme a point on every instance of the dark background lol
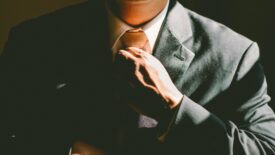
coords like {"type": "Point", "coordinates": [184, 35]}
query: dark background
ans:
{"type": "Point", "coordinates": [252, 18]}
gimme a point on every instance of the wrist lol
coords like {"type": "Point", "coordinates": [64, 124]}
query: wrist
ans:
{"type": "Point", "coordinates": [174, 99]}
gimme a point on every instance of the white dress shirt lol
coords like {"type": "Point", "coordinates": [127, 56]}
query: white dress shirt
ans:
{"type": "Point", "coordinates": [117, 28]}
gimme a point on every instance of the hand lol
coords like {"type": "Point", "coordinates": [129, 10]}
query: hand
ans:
{"type": "Point", "coordinates": [150, 76]}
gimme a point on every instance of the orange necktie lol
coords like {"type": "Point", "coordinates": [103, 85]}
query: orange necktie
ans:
{"type": "Point", "coordinates": [135, 38]}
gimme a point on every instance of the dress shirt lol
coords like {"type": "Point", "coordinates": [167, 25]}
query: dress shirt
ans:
{"type": "Point", "coordinates": [117, 28]}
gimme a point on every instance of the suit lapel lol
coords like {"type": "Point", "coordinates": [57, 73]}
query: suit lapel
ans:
{"type": "Point", "coordinates": [170, 48]}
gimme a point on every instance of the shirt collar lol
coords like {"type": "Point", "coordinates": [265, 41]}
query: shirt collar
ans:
{"type": "Point", "coordinates": [117, 27]}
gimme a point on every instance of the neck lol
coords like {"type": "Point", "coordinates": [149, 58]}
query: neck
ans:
{"type": "Point", "coordinates": [136, 13]}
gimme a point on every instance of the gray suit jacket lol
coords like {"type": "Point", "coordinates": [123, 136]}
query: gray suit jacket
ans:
{"type": "Point", "coordinates": [57, 87]}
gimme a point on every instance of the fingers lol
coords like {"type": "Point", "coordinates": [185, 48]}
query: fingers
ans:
{"type": "Point", "coordinates": [138, 52]}
{"type": "Point", "coordinates": [132, 53]}
{"type": "Point", "coordinates": [127, 55]}
{"type": "Point", "coordinates": [139, 59]}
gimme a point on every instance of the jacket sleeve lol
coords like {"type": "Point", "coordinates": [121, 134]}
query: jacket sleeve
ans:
{"type": "Point", "coordinates": [249, 129]}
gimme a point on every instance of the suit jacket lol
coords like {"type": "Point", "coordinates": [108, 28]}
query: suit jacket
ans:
{"type": "Point", "coordinates": [57, 87]}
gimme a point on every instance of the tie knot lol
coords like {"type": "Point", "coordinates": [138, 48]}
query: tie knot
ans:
{"type": "Point", "coordinates": [135, 38]}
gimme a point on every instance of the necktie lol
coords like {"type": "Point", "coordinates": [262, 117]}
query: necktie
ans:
{"type": "Point", "coordinates": [137, 38]}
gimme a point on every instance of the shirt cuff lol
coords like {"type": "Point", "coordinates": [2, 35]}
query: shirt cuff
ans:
{"type": "Point", "coordinates": [165, 127]}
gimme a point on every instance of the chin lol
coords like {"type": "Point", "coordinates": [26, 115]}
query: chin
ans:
{"type": "Point", "coordinates": [134, 1]}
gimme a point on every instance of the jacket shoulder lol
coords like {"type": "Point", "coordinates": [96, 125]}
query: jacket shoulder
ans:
{"type": "Point", "coordinates": [216, 35]}
{"type": "Point", "coordinates": [220, 51]}
{"type": "Point", "coordinates": [48, 33]}
{"type": "Point", "coordinates": [55, 21]}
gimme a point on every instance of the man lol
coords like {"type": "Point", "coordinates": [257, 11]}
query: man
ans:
{"type": "Point", "coordinates": [133, 77]}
